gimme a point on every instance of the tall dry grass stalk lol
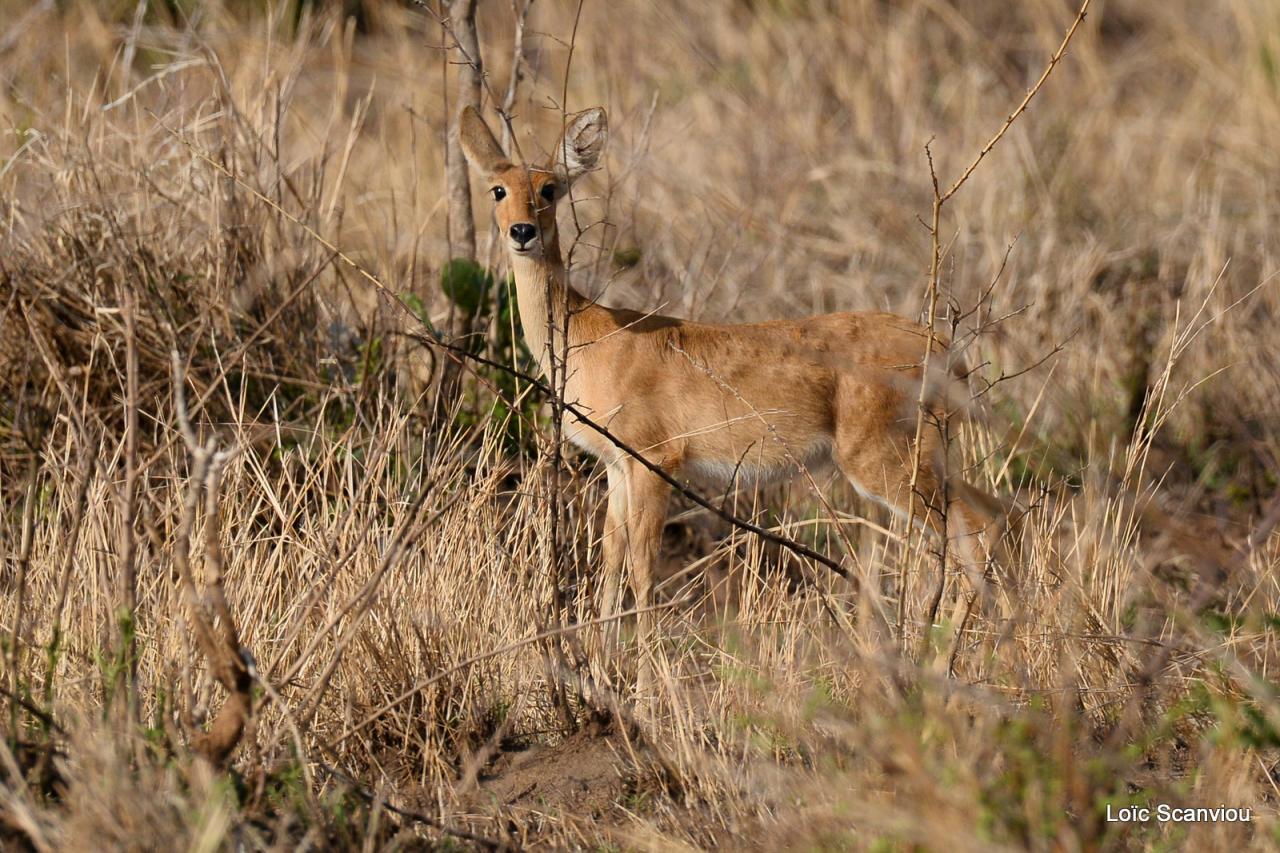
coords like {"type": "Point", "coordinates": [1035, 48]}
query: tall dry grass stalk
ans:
{"type": "Point", "coordinates": [389, 591]}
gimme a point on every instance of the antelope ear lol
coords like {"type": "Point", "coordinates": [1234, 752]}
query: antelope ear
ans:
{"type": "Point", "coordinates": [478, 143]}
{"type": "Point", "coordinates": [579, 150]}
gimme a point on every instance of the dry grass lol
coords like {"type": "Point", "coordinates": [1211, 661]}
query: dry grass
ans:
{"type": "Point", "coordinates": [389, 572]}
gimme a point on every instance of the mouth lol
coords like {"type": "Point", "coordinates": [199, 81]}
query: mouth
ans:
{"type": "Point", "coordinates": [526, 249]}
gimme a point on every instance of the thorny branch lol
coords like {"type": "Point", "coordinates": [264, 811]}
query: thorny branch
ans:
{"type": "Point", "coordinates": [940, 198]}
{"type": "Point", "coordinates": [557, 378]}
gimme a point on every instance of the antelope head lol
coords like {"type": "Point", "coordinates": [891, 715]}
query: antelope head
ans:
{"type": "Point", "coordinates": [526, 196]}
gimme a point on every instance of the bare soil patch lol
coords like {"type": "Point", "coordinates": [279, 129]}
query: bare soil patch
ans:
{"type": "Point", "coordinates": [588, 774]}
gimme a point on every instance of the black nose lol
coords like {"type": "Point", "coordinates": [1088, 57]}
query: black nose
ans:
{"type": "Point", "coordinates": [523, 232]}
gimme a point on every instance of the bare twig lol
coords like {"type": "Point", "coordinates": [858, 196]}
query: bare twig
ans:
{"type": "Point", "coordinates": [1022, 106]}
{"type": "Point", "coordinates": [128, 579]}
{"type": "Point", "coordinates": [461, 24]}
{"type": "Point", "coordinates": [557, 380]}
{"type": "Point", "coordinates": [923, 412]}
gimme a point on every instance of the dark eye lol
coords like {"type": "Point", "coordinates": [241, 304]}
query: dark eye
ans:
{"type": "Point", "coordinates": [549, 192]}
{"type": "Point", "coordinates": [498, 193]}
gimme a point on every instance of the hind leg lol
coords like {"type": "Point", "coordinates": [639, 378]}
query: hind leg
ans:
{"type": "Point", "coordinates": [882, 469]}
{"type": "Point", "coordinates": [876, 457]}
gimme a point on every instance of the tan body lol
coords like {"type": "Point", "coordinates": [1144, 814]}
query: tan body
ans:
{"type": "Point", "coordinates": [752, 401]}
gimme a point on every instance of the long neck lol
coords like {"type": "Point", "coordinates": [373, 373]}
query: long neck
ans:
{"type": "Point", "coordinates": [543, 293]}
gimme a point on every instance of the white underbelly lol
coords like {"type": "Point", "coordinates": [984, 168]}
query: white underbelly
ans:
{"type": "Point", "coordinates": [783, 463]}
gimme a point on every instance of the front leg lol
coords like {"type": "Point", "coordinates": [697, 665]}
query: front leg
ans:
{"type": "Point", "coordinates": [647, 496]}
{"type": "Point", "coordinates": [637, 511]}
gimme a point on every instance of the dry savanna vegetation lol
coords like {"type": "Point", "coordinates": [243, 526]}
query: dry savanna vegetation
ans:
{"type": "Point", "coordinates": [283, 564]}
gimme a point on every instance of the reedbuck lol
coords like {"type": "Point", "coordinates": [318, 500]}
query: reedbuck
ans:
{"type": "Point", "coordinates": [753, 400]}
